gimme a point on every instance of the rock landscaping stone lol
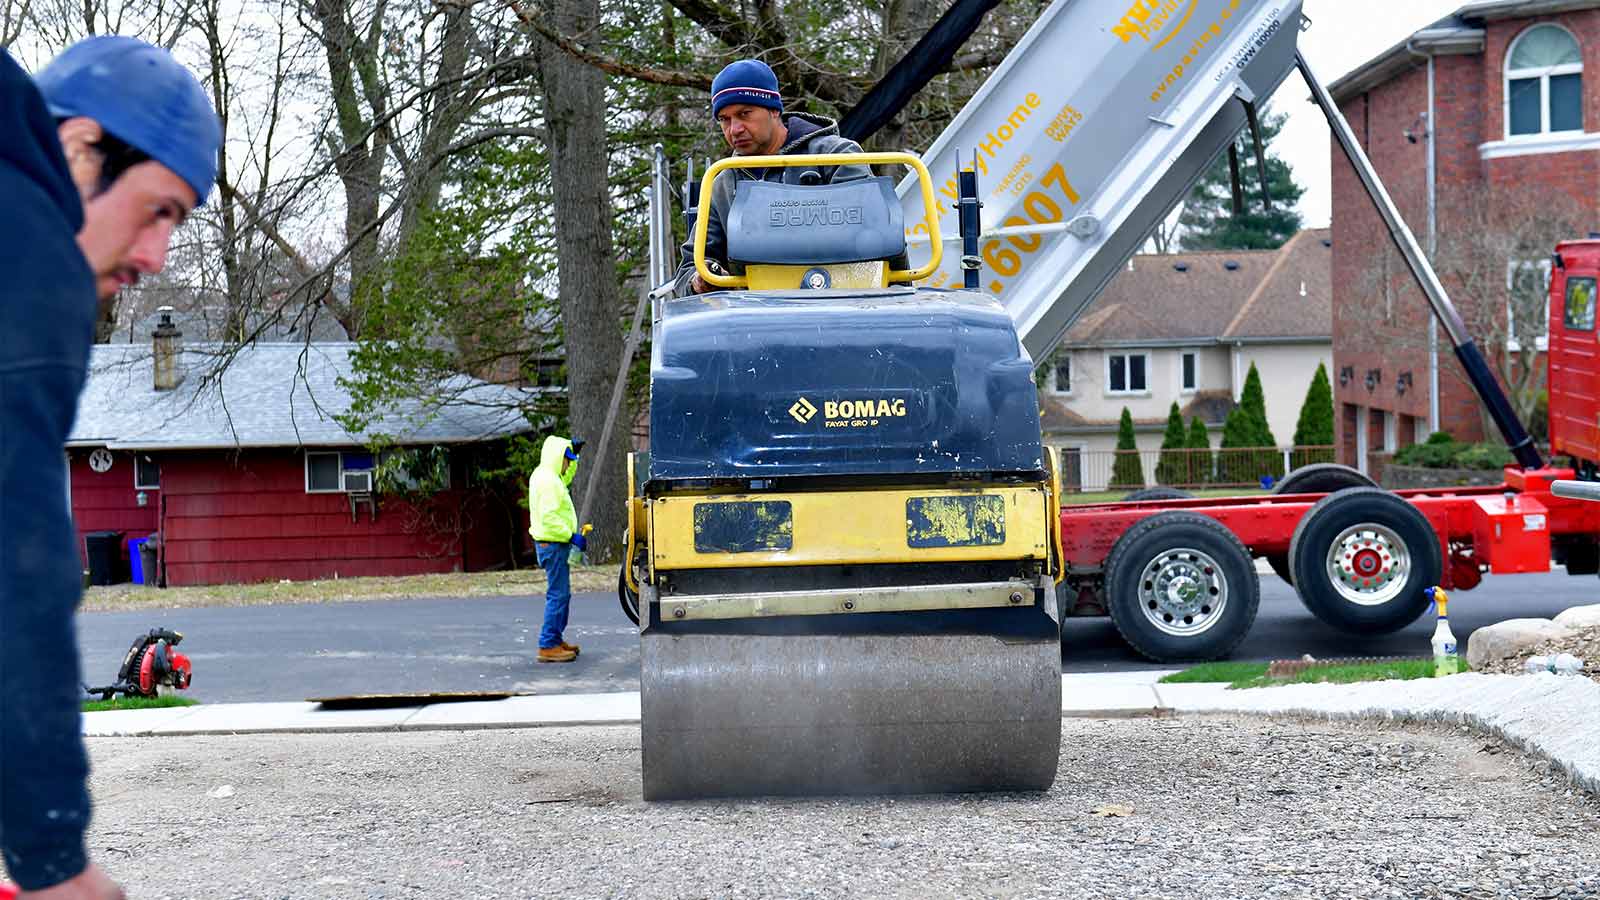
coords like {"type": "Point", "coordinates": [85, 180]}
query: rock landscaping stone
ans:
{"type": "Point", "coordinates": [1508, 639]}
{"type": "Point", "coordinates": [1579, 617]}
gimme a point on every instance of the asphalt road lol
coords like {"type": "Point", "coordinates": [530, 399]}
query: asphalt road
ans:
{"type": "Point", "coordinates": [273, 653]}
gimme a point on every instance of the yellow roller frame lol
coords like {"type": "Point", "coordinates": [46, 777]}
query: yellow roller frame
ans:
{"type": "Point", "coordinates": [852, 527]}
{"type": "Point", "coordinates": [1052, 458]}
{"type": "Point", "coordinates": [930, 207]}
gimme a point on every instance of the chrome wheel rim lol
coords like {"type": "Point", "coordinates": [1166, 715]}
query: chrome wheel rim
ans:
{"type": "Point", "coordinates": [1369, 564]}
{"type": "Point", "coordinates": [1182, 592]}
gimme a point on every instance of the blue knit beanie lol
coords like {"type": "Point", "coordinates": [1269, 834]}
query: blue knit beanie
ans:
{"type": "Point", "coordinates": [746, 81]}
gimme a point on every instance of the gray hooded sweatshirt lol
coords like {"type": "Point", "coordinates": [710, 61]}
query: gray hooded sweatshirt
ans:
{"type": "Point", "coordinates": [807, 134]}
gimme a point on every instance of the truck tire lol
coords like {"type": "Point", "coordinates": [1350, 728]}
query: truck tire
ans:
{"type": "Point", "coordinates": [1363, 559]}
{"type": "Point", "coordinates": [1316, 478]}
{"type": "Point", "coordinates": [1158, 493]}
{"type": "Point", "coordinates": [1321, 478]}
{"type": "Point", "coordinates": [625, 594]}
{"type": "Point", "coordinates": [1180, 587]}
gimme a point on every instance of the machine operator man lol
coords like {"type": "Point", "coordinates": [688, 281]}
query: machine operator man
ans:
{"type": "Point", "coordinates": [103, 155]}
{"type": "Point", "coordinates": [746, 104]}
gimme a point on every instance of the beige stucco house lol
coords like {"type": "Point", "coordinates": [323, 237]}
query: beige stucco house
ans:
{"type": "Point", "coordinates": [1186, 327]}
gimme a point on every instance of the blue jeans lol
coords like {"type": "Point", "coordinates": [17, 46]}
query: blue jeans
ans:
{"type": "Point", "coordinates": [558, 595]}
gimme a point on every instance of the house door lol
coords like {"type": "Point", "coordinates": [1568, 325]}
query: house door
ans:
{"type": "Point", "coordinates": [1072, 469]}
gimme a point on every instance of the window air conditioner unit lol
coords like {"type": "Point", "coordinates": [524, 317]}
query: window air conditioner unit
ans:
{"type": "Point", "coordinates": [358, 482]}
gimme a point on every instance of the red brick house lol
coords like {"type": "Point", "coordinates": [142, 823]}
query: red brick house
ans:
{"type": "Point", "coordinates": [1491, 114]}
{"type": "Point", "coordinates": [247, 476]}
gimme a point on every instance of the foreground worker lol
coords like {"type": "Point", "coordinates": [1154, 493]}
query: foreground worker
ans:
{"type": "Point", "coordinates": [749, 110]}
{"type": "Point", "coordinates": [553, 524]}
{"type": "Point", "coordinates": [115, 143]}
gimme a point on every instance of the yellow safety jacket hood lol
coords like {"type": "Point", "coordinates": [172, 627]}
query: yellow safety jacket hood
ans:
{"type": "Point", "coordinates": [550, 513]}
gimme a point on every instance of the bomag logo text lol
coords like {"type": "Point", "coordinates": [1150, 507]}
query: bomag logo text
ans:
{"type": "Point", "coordinates": [848, 413]}
{"type": "Point", "coordinates": [803, 213]}
{"type": "Point", "coordinates": [1148, 19]}
{"type": "Point", "coordinates": [863, 409]}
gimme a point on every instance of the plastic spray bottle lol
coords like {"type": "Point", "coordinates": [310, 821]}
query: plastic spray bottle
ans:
{"type": "Point", "coordinates": [1445, 659]}
{"type": "Point", "coordinates": [575, 557]}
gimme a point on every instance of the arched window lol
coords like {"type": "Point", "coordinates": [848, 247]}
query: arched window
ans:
{"type": "Point", "coordinates": [1544, 83]}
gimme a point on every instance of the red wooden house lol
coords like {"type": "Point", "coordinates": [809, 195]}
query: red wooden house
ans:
{"type": "Point", "coordinates": [245, 474]}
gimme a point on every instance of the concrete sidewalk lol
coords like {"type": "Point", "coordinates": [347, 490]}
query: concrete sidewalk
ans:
{"type": "Point", "coordinates": [1554, 717]}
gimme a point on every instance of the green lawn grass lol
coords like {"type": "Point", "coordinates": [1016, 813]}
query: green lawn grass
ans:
{"type": "Point", "coordinates": [1248, 675]}
{"type": "Point", "coordinates": [1217, 671]}
{"type": "Point", "coordinates": [1116, 496]}
{"type": "Point", "coordinates": [136, 703]}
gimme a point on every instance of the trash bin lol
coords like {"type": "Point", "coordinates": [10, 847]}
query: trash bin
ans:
{"type": "Point", "coordinates": [136, 561]}
{"type": "Point", "coordinates": [104, 552]}
{"type": "Point", "coordinates": [148, 564]}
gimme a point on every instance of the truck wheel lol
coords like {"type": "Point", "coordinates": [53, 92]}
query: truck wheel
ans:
{"type": "Point", "coordinates": [1321, 478]}
{"type": "Point", "coordinates": [630, 600]}
{"type": "Point", "coordinates": [1362, 560]}
{"type": "Point", "coordinates": [1316, 478]}
{"type": "Point", "coordinates": [1158, 493]}
{"type": "Point", "coordinates": [1181, 587]}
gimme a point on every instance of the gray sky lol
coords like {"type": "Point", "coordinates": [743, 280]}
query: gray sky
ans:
{"type": "Point", "coordinates": [1344, 34]}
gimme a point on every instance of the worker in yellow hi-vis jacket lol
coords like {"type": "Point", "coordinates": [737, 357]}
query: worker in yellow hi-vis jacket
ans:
{"type": "Point", "coordinates": [553, 525]}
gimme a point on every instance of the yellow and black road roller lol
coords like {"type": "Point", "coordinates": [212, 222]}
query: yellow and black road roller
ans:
{"type": "Point", "coordinates": [844, 538]}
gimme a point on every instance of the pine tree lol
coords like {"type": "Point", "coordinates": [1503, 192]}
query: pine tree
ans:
{"type": "Point", "coordinates": [1173, 467]}
{"type": "Point", "coordinates": [1128, 471]}
{"type": "Point", "coordinates": [1254, 402]}
{"type": "Point", "coordinates": [1207, 220]}
{"type": "Point", "coordinates": [1238, 436]}
{"type": "Point", "coordinates": [1315, 428]}
{"type": "Point", "coordinates": [1200, 439]}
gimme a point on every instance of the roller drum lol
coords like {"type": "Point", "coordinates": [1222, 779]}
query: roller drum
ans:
{"type": "Point", "coordinates": [727, 714]}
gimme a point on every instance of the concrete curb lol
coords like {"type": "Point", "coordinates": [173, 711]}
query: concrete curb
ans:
{"type": "Point", "coordinates": [1552, 717]}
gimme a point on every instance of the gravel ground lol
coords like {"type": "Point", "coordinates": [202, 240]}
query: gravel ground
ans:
{"type": "Point", "coordinates": [1189, 807]}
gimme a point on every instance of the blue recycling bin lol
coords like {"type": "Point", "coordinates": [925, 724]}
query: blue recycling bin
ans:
{"type": "Point", "coordinates": [134, 562]}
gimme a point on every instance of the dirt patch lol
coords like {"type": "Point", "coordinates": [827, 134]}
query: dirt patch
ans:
{"type": "Point", "coordinates": [1584, 643]}
{"type": "Point", "coordinates": [124, 597]}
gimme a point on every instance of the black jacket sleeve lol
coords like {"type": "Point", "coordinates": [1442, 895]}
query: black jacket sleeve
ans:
{"type": "Point", "coordinates": [47, 308]}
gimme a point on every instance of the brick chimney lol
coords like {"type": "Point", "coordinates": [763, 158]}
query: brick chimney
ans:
{"type": "Point", "coordinates": [166, 345]}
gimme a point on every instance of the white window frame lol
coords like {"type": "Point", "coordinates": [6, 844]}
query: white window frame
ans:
{"type": "Point", "coordinates": [342, 469]}
{"type": "Point", "coordinates": [1544, 74]}
{"type": "Point", "coordinates": [145, 487]}
{"type": "Point", "coordinates": [1391, 431]}
{"type": "Point", "coordinates": [1130, 391]}
{"type": "Point", "coordinates": [1542, 343]}
{"type": "Point", "coordinates": [1182, 389]}
{"type": "Point", "coordinates": [1055, 382]}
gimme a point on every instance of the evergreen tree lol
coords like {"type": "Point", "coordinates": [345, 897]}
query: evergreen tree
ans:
{"type": "Point", "coordinates": [1207, 220]}
{"type": "Point", "coordinates": [1315, 428]}
{"type": "Point", "coordinates": [1200, 439]}
{"type": "Point", "coordinates": [1128, 471]}
{"type": "Point", "coordinates": [1254, 401]}
{"type": "Point", "coordinates": [1173, 467]}
{"type": "Point", "coordinates": [1246, 432]}
{"type": "Point", "coordinates": [1236, 464]}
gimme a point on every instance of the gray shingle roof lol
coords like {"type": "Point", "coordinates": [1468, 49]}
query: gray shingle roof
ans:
{"type": "Point", "coordinates": [269, 395]}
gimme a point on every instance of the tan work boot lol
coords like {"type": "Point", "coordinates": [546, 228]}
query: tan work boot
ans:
{"type": "Point", "coordinates": [572, 647]}
{"type": "Point", "coordinates": [556, 655]}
